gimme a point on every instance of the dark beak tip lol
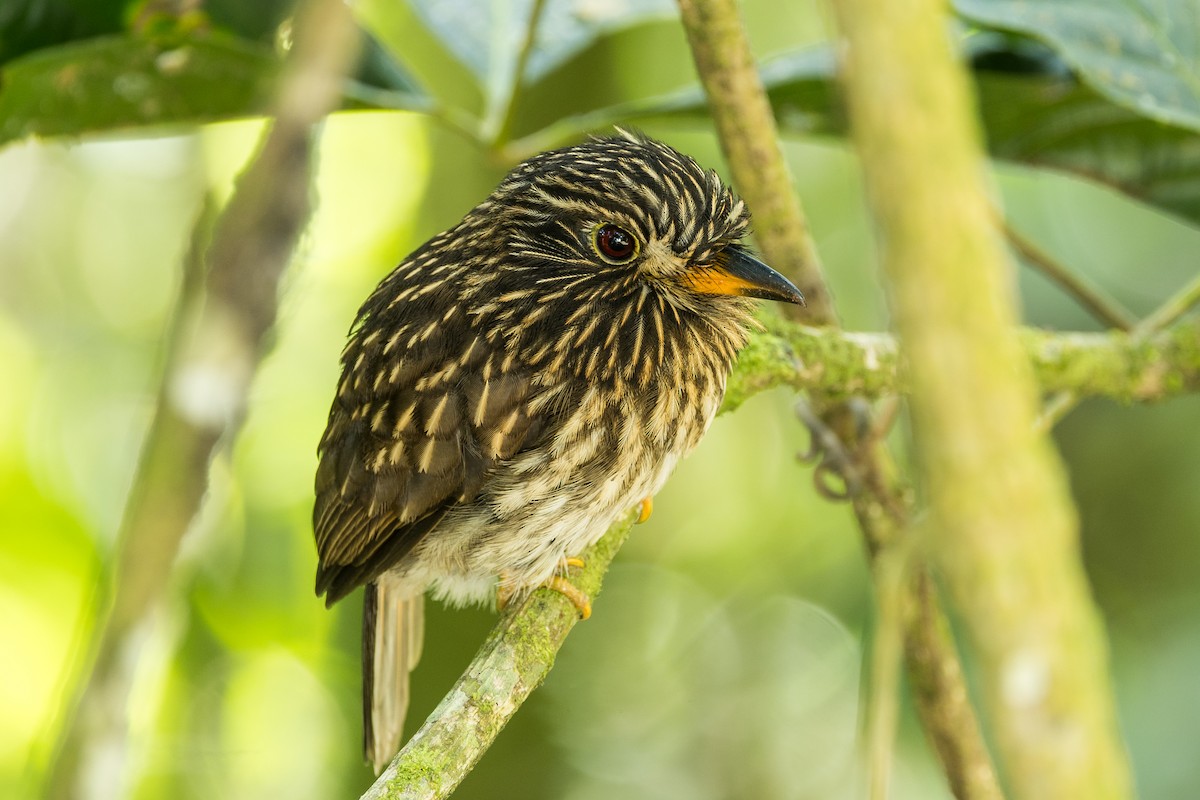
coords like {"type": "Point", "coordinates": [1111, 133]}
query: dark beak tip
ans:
{"type": "Point", "coordinates": [768, 284]}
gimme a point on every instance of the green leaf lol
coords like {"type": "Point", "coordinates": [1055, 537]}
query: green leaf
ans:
{"type": "Point", "coordinates": [1061, 124]}
{"type": "Point", "coordinates": [487, 37]}
{"type": "Point", "coordinates": [1144, 56]}
{"type": "Point", "coordinates": [1035, 113]}
{"type": "Point", "coordinates": [490, 43]}
{"type": "Point", "coordinates": [118, 82]}
{"type": "Point", "coordinates": [29, 25]}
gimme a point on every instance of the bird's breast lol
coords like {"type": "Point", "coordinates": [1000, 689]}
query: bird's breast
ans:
{"type": "Point", "coordinates": [611, 447]}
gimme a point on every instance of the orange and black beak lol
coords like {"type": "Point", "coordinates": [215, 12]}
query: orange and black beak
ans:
{"type": "Point", "coordinates": [739, 273]}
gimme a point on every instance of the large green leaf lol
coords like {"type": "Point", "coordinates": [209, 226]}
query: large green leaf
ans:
{"type": "Point", "coordinates": [1057, 122]}
{"type": "Point", "coordinates": [488, 37]}
{"type": "Point", "coordinates": [29, 25]}
{"type": "Point", "coordinates": [489, 42]}
{"type": "Point", "coordinates": [119, 82]}
{"type": "Point", "coordinates": [1144, 56]}
{"type": "Point", "coordinates": [1034, 112]}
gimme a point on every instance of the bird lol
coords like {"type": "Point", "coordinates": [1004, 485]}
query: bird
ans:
{"type": "Point", "coordinates": [520, 381]}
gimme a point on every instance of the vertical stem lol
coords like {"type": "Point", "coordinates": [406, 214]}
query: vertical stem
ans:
{"type": "Point", "coordinates": [750, 139]}
{"type": "Point", "coordinates": [216, 341]}
{"type": "Point", "coordinates": [883, 706]}
{"type": "Point", "coordinates": [882, 502]}
{"type": "Point", "coordinates": [1004, 532]}
{"type": "Point", "coordinates": [498, 125]}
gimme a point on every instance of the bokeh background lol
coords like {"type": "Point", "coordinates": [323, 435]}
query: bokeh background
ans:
{"type": "Point", "coordinates": [725, 657]}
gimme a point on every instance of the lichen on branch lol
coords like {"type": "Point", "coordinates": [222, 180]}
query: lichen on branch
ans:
{"type": "Point", "coordinates": [1122, 366]}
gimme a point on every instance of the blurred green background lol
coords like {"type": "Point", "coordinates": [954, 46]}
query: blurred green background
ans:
{"type": "Point", "coordinates": [725, 656]}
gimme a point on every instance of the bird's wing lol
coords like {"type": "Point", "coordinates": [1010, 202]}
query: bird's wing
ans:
{"type": "Point", "coordinates": [425, 409]}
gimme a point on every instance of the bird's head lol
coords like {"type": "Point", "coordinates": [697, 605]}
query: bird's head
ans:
{"type": "Point", "coordinates": [616, 218]}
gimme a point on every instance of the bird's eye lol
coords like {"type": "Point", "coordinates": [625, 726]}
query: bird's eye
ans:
{"type": "Point", "coordinates": [615, 244]}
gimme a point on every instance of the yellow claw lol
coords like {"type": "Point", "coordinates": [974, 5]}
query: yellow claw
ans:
{"type": "Point", "coordinates": [506, 591]}
{"type": "Point", "coordinates": [570, 591]}
{"type": "Point", "coordinates": [645, 509]}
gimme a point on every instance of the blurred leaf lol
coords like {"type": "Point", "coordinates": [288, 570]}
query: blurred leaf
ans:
{"type": "Point", "coordinates": [28, 25]}
{"type": "Point", "coordinates": [487, 38]}
{"type": "Point", "coordinates": [1061, 124]}
{"type": "Point", "coordinates": [1033, 112]}
{"type": "Point", "coordinates": [488, 41]}
{"type": "Point", "coordinates": [1144, 56]}
{"type": "Point", "coordinates": [119, 82]}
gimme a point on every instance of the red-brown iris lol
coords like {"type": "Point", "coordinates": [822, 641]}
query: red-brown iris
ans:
{"type": "Point", "coordinates": [615, 244]}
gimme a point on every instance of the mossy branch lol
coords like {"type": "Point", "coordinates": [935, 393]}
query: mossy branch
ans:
{"type": "Point", "coordinates": [1122, 366]}
{"type": "Point", "coordinates": [513, 661]}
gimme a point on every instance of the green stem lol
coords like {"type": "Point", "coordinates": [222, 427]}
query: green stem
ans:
{"type": "Point", "coordinates": [1103, 307]}
{"type": "Point", "coordinates": [502, 111]}
{"type": "Point", "coordinates": [1003, 530]}
{"type": "Point", "coordinates": [1178, 305]}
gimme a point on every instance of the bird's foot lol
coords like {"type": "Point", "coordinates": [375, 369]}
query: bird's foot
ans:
{"type": "Point", "coordinates": [645, 508]}
{"type": "Point", "coordinates": [506, 590]}
{"type": "Point", "coordinates": [581, 601]}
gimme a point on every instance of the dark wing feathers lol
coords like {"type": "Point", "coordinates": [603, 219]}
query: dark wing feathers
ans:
{"type": "Point", "coordinates": [425, 409]}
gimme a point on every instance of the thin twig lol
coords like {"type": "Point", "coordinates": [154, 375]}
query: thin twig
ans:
{"type": "Point", "coordinates": [1053, 410]}
{"type": "Point", "coordinates": [1175, 307]}
{"type": "Point", "coordinates": [887, 649]}
{"type": "Point", "coordinates": [216, 343]}
{"type": "Point", "coordinates": [1106, 309]}
{"type": "Point", "coordinates": [500, 115]}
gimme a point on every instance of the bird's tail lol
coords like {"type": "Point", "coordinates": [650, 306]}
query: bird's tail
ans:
{"type": "Point", "coordinates": [393, 630]}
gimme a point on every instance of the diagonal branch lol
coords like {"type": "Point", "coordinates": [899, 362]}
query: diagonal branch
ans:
{"type": "Point", "coordinates": [1104, 308]}
{"type": "Point", "coordinates": [216, 343]}
{"type": "Point", "coordinates": [520, 650]}
{"type": "Point", "coordinates": [513, 661]}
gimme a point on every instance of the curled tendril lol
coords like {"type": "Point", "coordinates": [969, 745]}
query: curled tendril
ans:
{"type": "Point", "coordinates": [837, 476]}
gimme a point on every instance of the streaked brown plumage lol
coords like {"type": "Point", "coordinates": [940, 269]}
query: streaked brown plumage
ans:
{"type": "Point", "coordinates": [521, 380]}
